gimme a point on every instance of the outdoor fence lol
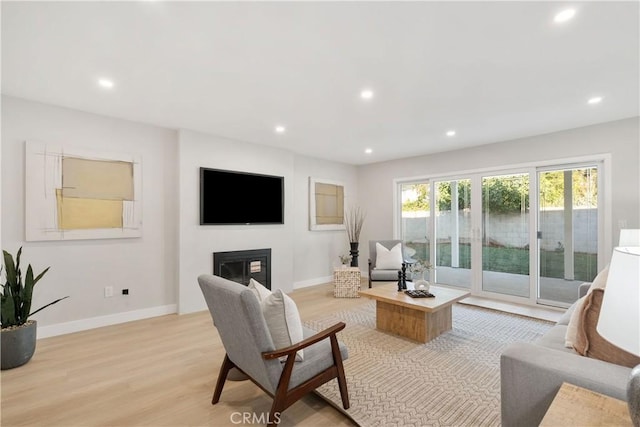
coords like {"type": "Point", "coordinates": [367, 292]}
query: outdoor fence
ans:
{"type": "Point", "coordinates": [510, 230]}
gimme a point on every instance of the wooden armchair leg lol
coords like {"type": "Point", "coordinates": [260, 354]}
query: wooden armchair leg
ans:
{"type": "Point", "coordinates": [275, 414]}
{"type": "Point", "coordinates": [342, 380]}
{"type": "Point", "coordinates": [227, 365]}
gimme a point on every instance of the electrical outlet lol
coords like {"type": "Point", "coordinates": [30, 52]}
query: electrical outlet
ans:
{"type": "Point", "coordinates": [622, 223]}
{"type": "Point", "coordinates": [108, 291]}
{"type": "Point", "coordinates": [125, 292]}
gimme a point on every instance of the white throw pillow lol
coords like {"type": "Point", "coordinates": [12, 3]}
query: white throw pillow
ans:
{"type": "Point", "coordinates": [599, 282]}
{"type": "Point", "coordinates": [283, 320]}
{"type": "Point", "coordinates": [572, 327]}
{"type": "Point", "coordinates": [388, 259]}
{"type": "Point", "coordinates": [259, 290]}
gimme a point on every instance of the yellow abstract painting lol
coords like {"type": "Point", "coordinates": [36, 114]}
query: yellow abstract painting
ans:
{"type": "Point", "coordinates": [80, 193]}
{"type": "Point", "coordinates": [326, 204]}
{"type": "Point", "coordinates": [329, 204]}
{"type": "Point", "coordinates": [92, 193]}
{"type": "Point", "coordinates": [75, 213]}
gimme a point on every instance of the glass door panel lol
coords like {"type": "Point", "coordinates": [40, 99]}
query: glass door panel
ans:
{"type": "Point", "coordinates": [505, 234]}
{"type": "Point", "coordinates": [416, 220]}
{"type": "Point", "coordinates": [453, 232]}
{"type": "Point", "coordinates": [567, 233]}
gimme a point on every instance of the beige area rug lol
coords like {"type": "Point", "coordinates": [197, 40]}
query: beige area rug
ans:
{"type": "Point", "coordinates": [453, 380]}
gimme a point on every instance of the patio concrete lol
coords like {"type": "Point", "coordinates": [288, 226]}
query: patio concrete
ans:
{"type": "Point", "coordinates": [551, 289]}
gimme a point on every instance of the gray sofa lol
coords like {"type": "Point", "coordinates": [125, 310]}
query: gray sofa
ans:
{"type": "Point", "coordinates": [531, 374]}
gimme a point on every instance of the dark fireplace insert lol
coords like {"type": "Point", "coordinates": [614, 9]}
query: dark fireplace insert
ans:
{"type": "Point", "coordinates": [241, 266]}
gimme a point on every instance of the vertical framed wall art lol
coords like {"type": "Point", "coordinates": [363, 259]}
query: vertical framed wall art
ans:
{"type": "Point", "coordinates": [326, 204]}
{"type": "Point", "coordinates": [75, 193]}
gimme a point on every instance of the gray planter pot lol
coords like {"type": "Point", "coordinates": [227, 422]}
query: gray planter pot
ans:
{"type": "Point", "coordinates": [18, 345]}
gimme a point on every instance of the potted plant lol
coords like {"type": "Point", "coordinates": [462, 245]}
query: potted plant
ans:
{"type": "Point", "coordinates": [18, 334]}
{"type": "Point", "coordinates": [418, 269]}
{"type": "Point", "coordinates": [345, 259]}
{"type": "Point", "coordinates": [353, 220]}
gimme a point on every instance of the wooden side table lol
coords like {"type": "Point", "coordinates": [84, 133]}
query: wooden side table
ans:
{"type": "Point", "coordinates": [577, 406]}
{"type": "Point", "coordinates": [346, 282]}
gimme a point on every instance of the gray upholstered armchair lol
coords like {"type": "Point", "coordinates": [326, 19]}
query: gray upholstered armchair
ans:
{"type": "Point", "coordinates": [386, 275]}
{"type": "Point", "coordinates": [237, 315]}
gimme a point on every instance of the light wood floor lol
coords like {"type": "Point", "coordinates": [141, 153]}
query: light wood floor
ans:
{"type": "Point", "coordinates": [540, 312]}
{"type": "Point", "coordinates": [153, 372]}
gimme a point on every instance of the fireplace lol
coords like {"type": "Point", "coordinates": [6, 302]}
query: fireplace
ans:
{"type": "Point", "coordinates": [241, 266]}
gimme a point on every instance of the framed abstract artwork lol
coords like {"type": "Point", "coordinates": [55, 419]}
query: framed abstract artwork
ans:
{"type": "Point", "coordinates": [326, 204]}
{"type": "Point", "coordinates": [76, 193]}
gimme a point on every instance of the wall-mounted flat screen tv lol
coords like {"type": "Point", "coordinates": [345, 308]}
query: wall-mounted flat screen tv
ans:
{"type": "Point", "coordinates": [230, 197]}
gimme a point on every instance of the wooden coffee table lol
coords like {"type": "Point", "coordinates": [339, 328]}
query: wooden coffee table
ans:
{"type": "Point", "coordinates": [421, 319]}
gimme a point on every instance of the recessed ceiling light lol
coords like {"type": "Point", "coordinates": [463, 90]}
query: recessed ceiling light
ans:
{"type": "Point", "coordinates": [368, 151]}
{"type": "Point", "coordinates": [565, 15]}
{"type": "Point", "coordinates": [366, 94]}
{"type": "Point", "coordinates": [105, 83]}
{"type": "Point", "coordinates": [280, 129]}
{"type": "Point", "coordinates": [594, 100]}
{"type": "Point", "coordinates": [451, 133]}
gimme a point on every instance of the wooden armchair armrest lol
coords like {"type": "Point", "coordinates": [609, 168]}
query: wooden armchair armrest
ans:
{"type": "Point", "coordinates": [292, 349]}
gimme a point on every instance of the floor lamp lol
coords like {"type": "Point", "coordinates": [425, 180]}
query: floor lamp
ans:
{"type": "Point", "coordinates": [619, 321]}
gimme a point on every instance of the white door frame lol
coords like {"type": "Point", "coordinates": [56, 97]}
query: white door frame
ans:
{"type": "Point", "coordinates": [603, 162]}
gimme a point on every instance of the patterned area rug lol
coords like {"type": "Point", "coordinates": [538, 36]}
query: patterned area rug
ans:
{"type": "Point", "coordinates": [453, 380]}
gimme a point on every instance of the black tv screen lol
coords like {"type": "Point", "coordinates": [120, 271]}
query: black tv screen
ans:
{"type": "Point", "coordinates": [230, 197]}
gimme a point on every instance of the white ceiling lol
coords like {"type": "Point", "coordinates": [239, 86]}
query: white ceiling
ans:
{"type": "Point", "coordinates": [492, 71]}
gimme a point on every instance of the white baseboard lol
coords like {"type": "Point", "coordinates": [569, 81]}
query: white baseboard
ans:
{"type": "Point", "coordinates": [320, 281]}
{"type": "Point", "coordinates": [312, 282]}
{"type": "Point", "coordinates": [100, 321]}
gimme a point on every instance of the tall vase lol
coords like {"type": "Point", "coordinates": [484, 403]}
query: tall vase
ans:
{"type": "Point", "coordinates": [354, 254]}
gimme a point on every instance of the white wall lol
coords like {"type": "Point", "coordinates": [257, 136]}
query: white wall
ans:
{"type": "Point", "coordinates": [620, 138]}
{"type": "Point", "coordinates": [81, 269]}
{"type": "Point", "coordinates": [316, 252]}
{"type": "Point", "coordinates": [161, 268]}
{"type": "Point", "coordinates": [297, 255]}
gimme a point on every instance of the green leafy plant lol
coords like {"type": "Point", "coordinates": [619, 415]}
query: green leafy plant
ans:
{"type": "Point", "coordinates": [345, 258]}
{"type": "Point", "coordinates": [420, 265]}
{"type": "Point", "coordinates": [15, 303]}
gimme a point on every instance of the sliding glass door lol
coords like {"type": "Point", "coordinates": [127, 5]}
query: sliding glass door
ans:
{"type": "Point", "coordinates": [479, 230]}
{"type": "Point", "coordinates": [505, 234]}
{"type": "Point", "coordinates": [415, 219]}
{"type": "Point", "coordinates": [453, 235]}
{"type": "Point", "coordinates": [567, 232]}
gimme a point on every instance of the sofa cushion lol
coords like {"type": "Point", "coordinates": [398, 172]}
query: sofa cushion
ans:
{"type": "Point", "coordinates": [572, 325]}
{"type": "Point", "coordinates": [317, 358]}
{"type": "Point", "coordinates": [389, 259]}
{"type": "Point", "coordinates": [599, 282]}
{"type": "Point", "coordinates": [590, 343]}
{"type": "Point", "coordinates": [554, 339]}
{"type": "Point", "coordinates": [283, 320]}
{"type": "Point", "coordinates": [259, 290]}
{"type": "Point", "coordinates": [566, 316]}
{"type": "Point", "coordinates": [384, 275]}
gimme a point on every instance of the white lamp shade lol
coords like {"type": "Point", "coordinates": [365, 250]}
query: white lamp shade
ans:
{"type": "Point", "coordinates": [629, 237]}
{"type": "Point", "coordinates": [619, 321]}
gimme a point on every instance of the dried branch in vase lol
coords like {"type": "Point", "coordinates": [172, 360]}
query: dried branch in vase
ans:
{"type": "Point", "coordinates": [353, 220]}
